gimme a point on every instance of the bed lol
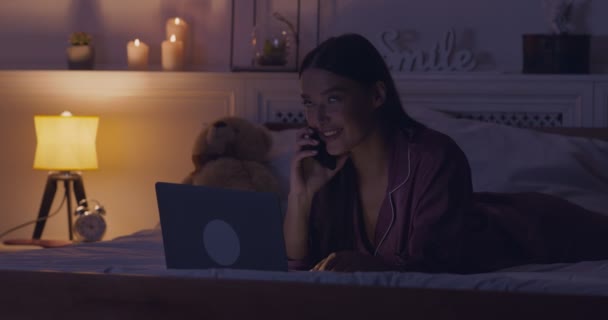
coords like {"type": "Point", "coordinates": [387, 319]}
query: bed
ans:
{"type": "Point", "coordinates": [126, 277]}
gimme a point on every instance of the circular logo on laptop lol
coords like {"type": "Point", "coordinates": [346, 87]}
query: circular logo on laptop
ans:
{"type": "Point", "coordinates": [221, 242]}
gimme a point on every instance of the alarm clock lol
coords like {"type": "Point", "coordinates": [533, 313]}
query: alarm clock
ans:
{"type": "Point", "coordinates": [90, 226]}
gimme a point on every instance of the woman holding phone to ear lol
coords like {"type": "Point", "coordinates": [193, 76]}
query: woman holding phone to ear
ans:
{"type": "Point", "coordinates": [400, 197]}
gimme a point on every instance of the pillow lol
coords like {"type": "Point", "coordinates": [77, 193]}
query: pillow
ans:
{"type": "Point", "coordinates": [509, 159]}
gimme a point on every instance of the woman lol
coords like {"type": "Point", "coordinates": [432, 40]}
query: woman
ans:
{"type": "Point", "coordinates": [401, 196]}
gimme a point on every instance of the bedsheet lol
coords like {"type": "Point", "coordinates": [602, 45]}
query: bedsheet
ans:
{"type": "Point", "coordinates": [142, 254]}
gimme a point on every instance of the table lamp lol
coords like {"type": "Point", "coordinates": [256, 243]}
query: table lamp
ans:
{"type": "Point", "coordinates": [65, 145]}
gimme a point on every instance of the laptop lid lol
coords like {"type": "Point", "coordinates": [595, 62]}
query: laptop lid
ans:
{"type": "Point", "coordinates": [206, 227]}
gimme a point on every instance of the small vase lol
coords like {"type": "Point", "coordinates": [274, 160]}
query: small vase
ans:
{"type": "Point", "coordinates": [80, 57]}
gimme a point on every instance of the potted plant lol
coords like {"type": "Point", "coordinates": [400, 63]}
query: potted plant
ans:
{"type": "Point", "coordinates": [81, 54]}
{"type": "Point", "coordinates": [561, 51]}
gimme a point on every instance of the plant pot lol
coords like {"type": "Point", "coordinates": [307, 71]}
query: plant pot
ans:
{"type": "Point", "coordinates": [546, 53]}
{"type": "Point", "coordinates": [80, 57]}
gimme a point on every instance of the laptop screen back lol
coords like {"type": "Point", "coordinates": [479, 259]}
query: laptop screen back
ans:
{"type": "Point", "coordinates": [207, 227]}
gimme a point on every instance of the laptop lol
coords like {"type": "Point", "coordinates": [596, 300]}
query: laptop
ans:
{"type": "Point", "coordinates": [206, 227]}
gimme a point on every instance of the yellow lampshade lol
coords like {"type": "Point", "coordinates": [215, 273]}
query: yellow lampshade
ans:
{"type": "Point", "coordinates": [66, 142]}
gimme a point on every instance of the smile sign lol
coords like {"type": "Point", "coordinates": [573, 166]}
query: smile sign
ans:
{"type": "Point", "coordinates": [442, 57]}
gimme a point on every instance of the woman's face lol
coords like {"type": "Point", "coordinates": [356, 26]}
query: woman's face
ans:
{"type": "Point", "coordinates": [339, 108]}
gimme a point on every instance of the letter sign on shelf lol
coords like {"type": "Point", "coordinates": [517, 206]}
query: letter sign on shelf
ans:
{"type": "Point", "coordinates": [441, 58]}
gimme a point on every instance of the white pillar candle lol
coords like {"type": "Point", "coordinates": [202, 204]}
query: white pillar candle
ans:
{"type": "Point", "coordinates": [137, 55]}
{"type": "Point", "coordinates": [173, 54]}
{"type": "Point", "coordinates": [179, 28]}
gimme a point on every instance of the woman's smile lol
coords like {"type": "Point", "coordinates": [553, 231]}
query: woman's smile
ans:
{"type": "Point", "coordinates": [330, 134]}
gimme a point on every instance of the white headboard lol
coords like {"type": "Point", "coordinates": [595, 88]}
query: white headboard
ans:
{"type": "Point", "coordinates": [521, 101]}
{"type": "Point", "coordinates": [511, 118]}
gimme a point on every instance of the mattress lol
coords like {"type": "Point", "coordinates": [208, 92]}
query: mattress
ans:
{"type": "Point", "coordinates": [142, 253]}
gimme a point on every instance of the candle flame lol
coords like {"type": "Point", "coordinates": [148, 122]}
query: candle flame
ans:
{"type": "Point", "coordinates": [137, 42]}
{"type": "Point", "coordinates": [66, 114]}
{"type": "Point", "coordinates": [173, 38]}
{"type": "Point", "coordinates": [177, 21]}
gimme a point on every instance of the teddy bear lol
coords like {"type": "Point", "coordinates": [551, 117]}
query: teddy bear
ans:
{"type": "Point", "coordinates": [232, 153]}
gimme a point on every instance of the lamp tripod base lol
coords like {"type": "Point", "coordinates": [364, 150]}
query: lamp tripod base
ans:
{"type": "Point", "coordinates": [72, 182]}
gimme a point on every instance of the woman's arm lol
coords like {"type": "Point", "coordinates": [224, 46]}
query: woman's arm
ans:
{"type": "Point", "coordinates": [296, 225]}
{"type": "Point", "coordinates": [306, 178]}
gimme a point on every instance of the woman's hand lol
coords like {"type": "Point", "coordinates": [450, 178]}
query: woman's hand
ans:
{"type": "Point", "coordinates": [351, 261]}
{"type": "Point", "coordinates": [307, 175]}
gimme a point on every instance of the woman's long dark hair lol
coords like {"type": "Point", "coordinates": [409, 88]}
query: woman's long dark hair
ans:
{"type": "Point", "coordinates": [354, 57]}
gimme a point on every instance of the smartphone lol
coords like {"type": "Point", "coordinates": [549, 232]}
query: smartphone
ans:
{"type": "Point", "coordinates": [325, 159]}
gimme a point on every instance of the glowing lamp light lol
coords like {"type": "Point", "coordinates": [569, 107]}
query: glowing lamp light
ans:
{"type": "Point", "coordinates": [66, 142]}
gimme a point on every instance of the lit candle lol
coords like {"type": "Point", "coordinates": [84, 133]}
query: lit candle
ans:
{"type": "Point", "coordinates": [173, 54]}
{"type": "Point", "coordinates": [179, 28]}
{"type": "Point", "coordinates": [137, 55]}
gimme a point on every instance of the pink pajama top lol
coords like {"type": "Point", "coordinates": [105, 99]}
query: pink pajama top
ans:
{"type": "Point", "coordinates": [431, 221]}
